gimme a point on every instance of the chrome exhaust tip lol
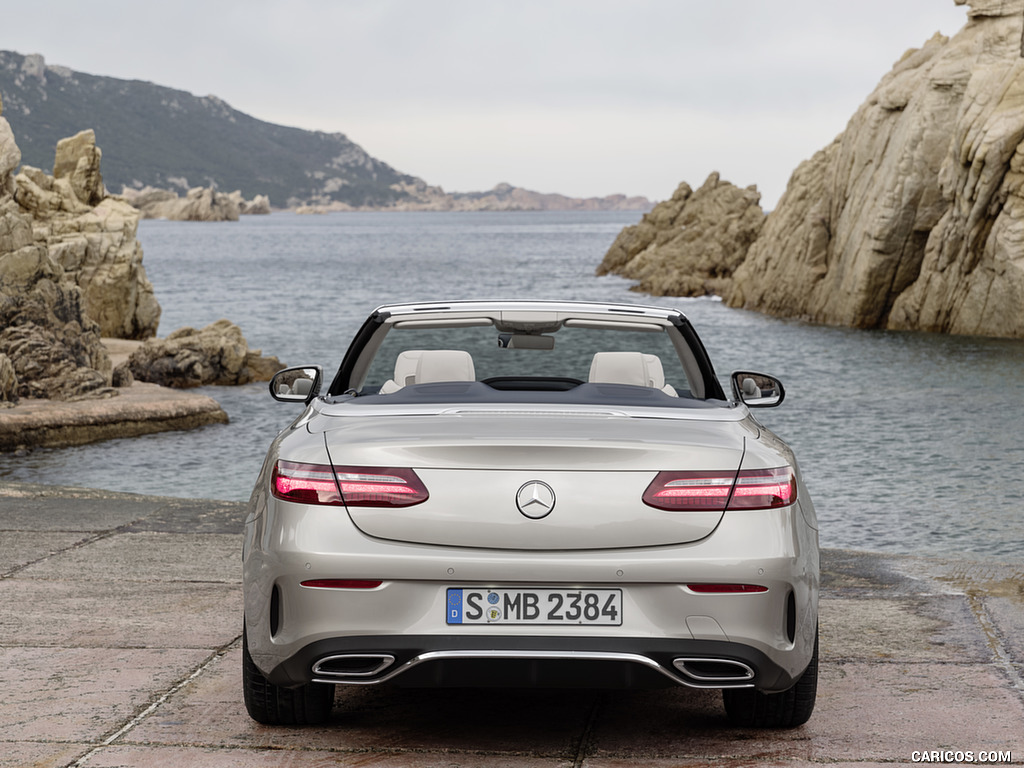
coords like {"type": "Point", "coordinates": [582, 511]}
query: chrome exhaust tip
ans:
{"type": "Point", "coordinates": [713, 671]}
{"type": "Point", "coordinates": [351, 666]}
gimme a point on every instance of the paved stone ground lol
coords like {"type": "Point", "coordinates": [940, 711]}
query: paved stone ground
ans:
{"type": "Point", "coordinates": [120, 619]}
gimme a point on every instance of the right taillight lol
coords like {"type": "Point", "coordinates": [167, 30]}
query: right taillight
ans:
{"type": "Point", "coordinates": [763, 489]}
{"type": "Point", "coordinates": [715, 491]}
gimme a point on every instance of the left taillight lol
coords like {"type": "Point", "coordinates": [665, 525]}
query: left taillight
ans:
{"type": "Point", "coordinates": [352, 486]}
{"type": "Point", "coordinates": [715, 491]}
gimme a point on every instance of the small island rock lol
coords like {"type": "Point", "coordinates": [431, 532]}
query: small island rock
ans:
{"type": "Point", "coordinates": [690, 244]}
{"type": "Point", "coordinates": [216, 354]}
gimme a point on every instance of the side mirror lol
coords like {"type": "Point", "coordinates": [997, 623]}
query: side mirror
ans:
{"type": "Point", "coordinates": [296, 385]}
{"type": "Point", "coordinates": [757, 390]}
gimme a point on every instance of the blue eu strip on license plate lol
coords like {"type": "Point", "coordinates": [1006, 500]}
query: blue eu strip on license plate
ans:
{"type": "Point", "coordinates": [600, 607]}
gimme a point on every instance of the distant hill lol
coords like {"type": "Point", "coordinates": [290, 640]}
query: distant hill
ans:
{"type": "Point", "coordinates": [153, 136]}
{"type": "Point", "coordinates": [156, 136]}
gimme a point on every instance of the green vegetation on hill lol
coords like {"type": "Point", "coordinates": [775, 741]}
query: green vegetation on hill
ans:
{"type": "Point", "coordinates": [156, 136]}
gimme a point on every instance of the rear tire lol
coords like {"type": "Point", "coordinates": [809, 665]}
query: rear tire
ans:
{"type": "Point", "coordinates": [271, 704]}
{"type": "Point", "coordinates": [788, 709]}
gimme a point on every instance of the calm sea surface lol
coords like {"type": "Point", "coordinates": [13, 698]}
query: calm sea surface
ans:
{"type": "Point", "coordinates": [910, 443]}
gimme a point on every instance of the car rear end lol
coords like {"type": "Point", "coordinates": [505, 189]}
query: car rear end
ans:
{"type": "Point", "coordinates": [458, 512]}
{"type": "Point", "coordinates": [522, 549]}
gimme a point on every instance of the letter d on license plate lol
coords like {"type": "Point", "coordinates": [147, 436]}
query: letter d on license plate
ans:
{"type": "Point", "coordinates": [535, 606]}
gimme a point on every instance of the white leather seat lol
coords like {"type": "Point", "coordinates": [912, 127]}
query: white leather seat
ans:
{"type": "Point", "coordinates": [634, 368]}
{"type": "Point", "coordinates": [619, 368]}
{"type": "Point", "coordinates": [405, 371]}
{"type": "Point", "coordinates": [656, 374]}
{"type": "Point", "coordinates": [444, 365]}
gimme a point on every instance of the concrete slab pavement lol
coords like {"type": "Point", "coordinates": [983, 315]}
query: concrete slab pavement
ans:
{"type": "Point", "coordinates": [120, 619]}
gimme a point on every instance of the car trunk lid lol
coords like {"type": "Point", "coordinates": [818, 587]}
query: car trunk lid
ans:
{"type": "Point", "coordinates": [536, 480]}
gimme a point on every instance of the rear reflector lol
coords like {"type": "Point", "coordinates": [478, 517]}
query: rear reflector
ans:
{"type": "Point", "coordinates": [342, 583]}
{"type": "Point", "coordinates": [354, 486]}
{"type": "Point", "coordinates": [726, 589]}
{"type": "Point", "coordinates": [716, 491]}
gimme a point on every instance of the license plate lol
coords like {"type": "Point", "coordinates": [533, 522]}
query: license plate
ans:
{"type": "Point", "coordinates": [600, 607]}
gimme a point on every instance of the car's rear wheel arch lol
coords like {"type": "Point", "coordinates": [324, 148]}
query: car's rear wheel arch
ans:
{"type": "Point", "coordinates": [271, 704]}
{"type": "Point", "coordinates": [752, 708]}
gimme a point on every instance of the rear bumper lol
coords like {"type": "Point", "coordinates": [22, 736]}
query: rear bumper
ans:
{"type": "Point", "coordinates": [292, 628]}
{"type": "Point", "coordinates": [519, 661]}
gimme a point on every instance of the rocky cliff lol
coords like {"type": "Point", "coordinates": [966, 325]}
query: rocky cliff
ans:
{"type": "Point", "coordinates": [913, 218]}
{"type": "Point", "coordinates": [90, 236]}
{"type": "Point", "coordinates": [66, 252]}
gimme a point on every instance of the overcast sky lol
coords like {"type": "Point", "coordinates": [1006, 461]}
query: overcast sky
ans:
{"type": "Point", "coordinates": [582, 97]}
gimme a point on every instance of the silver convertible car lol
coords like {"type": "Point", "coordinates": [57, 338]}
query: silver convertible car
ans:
{"type": "Point", "coordinates": [529, 493]}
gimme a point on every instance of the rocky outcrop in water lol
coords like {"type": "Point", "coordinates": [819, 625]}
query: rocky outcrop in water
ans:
{"type": "Point", "coordinates": [690, 244]}
{"type": "Point", "coordinates": [53, 347]}
{"type": "Point", "coordinates": [199, 204]}
{"type": "Point", "coordinates": [216, 354]}
{"type": "Point", "coordinates": [49, 346]}
{"type": "Point", "coordinates": [258, 206]}
{"type": "Point", "coordinates": [92, 236]}
{"type": "Point", "coordinates": [913, 218]}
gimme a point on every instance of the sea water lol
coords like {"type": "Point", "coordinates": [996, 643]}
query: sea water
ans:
{"type": "Point", "coordinates": [909, 442]}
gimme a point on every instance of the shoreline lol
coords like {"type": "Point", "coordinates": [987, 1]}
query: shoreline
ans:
{"type": "Point", "coordinates": [140, 409]}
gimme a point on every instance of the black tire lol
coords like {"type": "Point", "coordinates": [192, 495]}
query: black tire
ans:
{"type": "Point", "coordinates": [788, 709]}
{"type": "Point", "coordinates": [271, 704]}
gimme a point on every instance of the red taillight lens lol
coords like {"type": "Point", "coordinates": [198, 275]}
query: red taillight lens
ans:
{"type": "Point", "coordinates": [764, 489]}
{"type": "Point", "coordinates": [712, 491]}
{"type": "Point", "coordinates": [690, 491]}
{"type": "Point", "coordinates": [352, 486]}
{"type": "Point", "coordinates": [305, 483]}
{"type": "Point", "coordinates": [380, 487]}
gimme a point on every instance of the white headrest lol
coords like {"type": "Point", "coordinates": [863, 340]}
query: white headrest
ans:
{"type": "Point", "coordinates": [620, 368]}
{"type": "Point", "coordinates": [405, 366]}
{"type": "Point", "coordinates": [655, 371]}
{"type": "Point", "coordinates": [444, 365]}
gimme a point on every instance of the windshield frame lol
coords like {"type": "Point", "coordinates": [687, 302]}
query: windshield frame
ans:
{"type": "Point", "coordinates": [526, 318]}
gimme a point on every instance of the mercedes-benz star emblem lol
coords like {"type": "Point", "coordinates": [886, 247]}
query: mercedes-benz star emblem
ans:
{"type": "Point", "coordinates": [535, 499]}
